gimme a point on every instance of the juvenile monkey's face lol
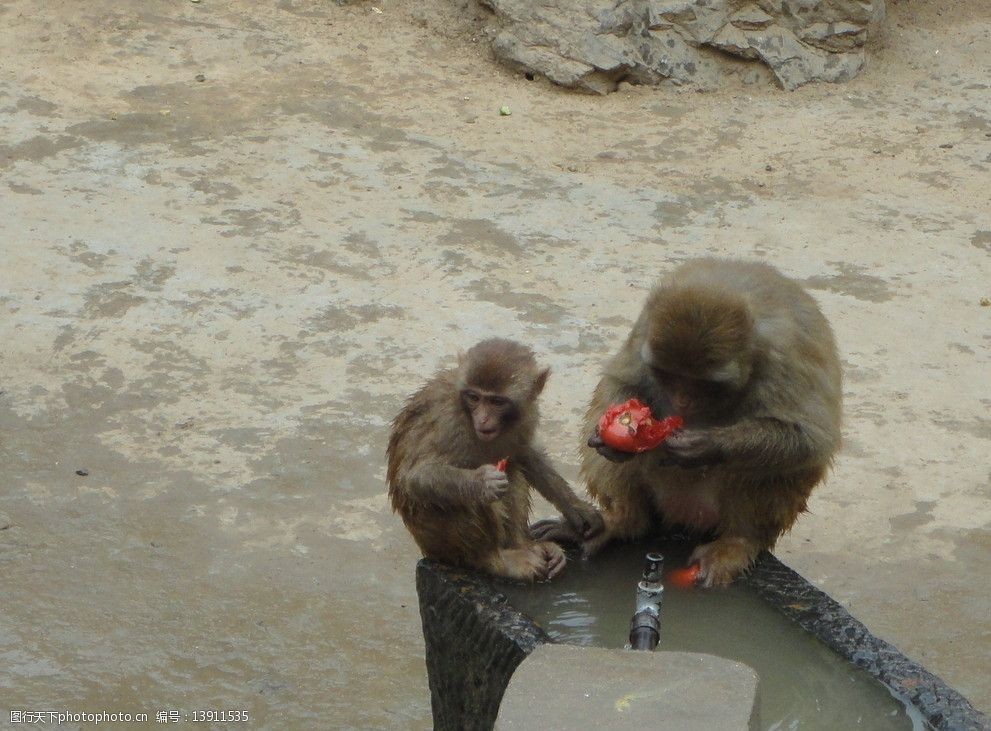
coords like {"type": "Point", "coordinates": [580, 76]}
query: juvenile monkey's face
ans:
{"type": "Point", "coordinates": [491, 413]}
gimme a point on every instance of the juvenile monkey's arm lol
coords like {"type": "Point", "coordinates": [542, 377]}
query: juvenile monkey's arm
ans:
{"type": "Point", "coordinates": [539, 472]}
{"type": "Point", "coordinates": [443, 485]}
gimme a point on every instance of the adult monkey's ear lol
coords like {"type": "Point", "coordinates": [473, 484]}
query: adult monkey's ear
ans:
{"type": "Point", "coordinates": [539, 382]}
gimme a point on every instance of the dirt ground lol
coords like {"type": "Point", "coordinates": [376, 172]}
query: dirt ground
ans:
{"type": "Point", "coordinates": [216, 293]}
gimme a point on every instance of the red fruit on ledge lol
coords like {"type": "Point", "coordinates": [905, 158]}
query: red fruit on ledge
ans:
{"type": "Point", "coordinates": [630, 427]}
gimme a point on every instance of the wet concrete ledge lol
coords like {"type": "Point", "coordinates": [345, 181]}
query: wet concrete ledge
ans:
{"type": "Point", "coordinates": [475, 640]}
{"type": "Point", "coordinates": [823, 617]}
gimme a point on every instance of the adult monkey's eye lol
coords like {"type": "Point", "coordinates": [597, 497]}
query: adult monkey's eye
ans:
{"type": "Point", "coordinates": [661, 375]}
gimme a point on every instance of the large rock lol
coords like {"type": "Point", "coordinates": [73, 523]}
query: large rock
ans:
{"type": "Point", "coordinates": [595, 44]}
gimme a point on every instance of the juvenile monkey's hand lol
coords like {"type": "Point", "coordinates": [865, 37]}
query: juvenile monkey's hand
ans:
{"type": "Point", "coordinates": [490, 483]}
{"type": "Point", "coordinates": [613, 455]}
{"type": "Point", "coordinates": [692, 448]}
{"type": "Point", "coordinates": [585, 519]}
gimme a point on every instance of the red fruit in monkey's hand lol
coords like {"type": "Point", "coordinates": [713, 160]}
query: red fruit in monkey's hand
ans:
{"type": "Point", "coordinates": [685, 577]}
{"type": "Point", "coordinates": [630, 427]}
{"type": "Point", "coordinates": [502, 464]}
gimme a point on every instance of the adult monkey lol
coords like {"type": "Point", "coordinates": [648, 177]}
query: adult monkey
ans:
{"type": "Point", "coordinates": [745, 356]}
{"type": "Point", "coordinates": [458, 506]}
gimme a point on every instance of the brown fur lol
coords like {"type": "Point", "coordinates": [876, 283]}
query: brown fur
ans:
{"type": "Point", "coordinates": [502, 366]}
{"type": "Point", "coordinates": [764, 442]}
{"type": "Point", "coordinates": [697, 331]}
{"type": "Point", "coordinates": [433, 454]}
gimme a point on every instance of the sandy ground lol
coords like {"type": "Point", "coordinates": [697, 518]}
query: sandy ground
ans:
{"type": "Point", "coordinates": [216, 293]}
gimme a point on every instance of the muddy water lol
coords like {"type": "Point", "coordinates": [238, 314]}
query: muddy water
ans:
{"type": "Point", "coordinates": [803, 685]}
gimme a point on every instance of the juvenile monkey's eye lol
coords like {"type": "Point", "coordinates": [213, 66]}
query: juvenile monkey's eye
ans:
{"type": "Point", "coordinates": [471, 397]}
{"type": "Point", "coordinates": [499, 401]}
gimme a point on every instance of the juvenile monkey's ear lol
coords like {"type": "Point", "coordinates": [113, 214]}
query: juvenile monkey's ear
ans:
{"type": "Point", "coordinates": [540, 381]}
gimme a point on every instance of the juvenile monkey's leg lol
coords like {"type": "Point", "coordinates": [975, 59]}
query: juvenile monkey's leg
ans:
{"type": "Point", "coordinates": [514, 508]}
{"type": "Point", "coordinates": [462, 538]}
{"type": "Point", "coordinates": [532, 562]}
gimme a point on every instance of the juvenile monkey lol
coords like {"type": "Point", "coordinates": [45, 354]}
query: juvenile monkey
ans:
{"type": "Point", "coordinates": [444, 444]}
{"type": "Point", "coordinates": [747, 359]}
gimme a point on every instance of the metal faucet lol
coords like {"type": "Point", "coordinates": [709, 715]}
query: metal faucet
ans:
{"type": "Point", "coordinates": [645, 627]}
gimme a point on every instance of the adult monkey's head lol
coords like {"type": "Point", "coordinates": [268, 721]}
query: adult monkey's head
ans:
{"type": "Point", "coordinates": [699, 347]}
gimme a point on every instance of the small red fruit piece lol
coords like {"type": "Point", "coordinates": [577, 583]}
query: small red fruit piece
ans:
{"type": "Point", "coordinates": [630, 427]}
{"type": "Point", "coordinates": [685, 577]}
{"type": "Point", "coordinates": [502, 464]}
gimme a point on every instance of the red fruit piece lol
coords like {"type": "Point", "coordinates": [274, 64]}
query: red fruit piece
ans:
{"type": "Point", "coordinates": [630, 427]}
{"type": "Point", "coordinates": [502, 464]}
{"type": "Point", "coordinates": [683, 578]}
